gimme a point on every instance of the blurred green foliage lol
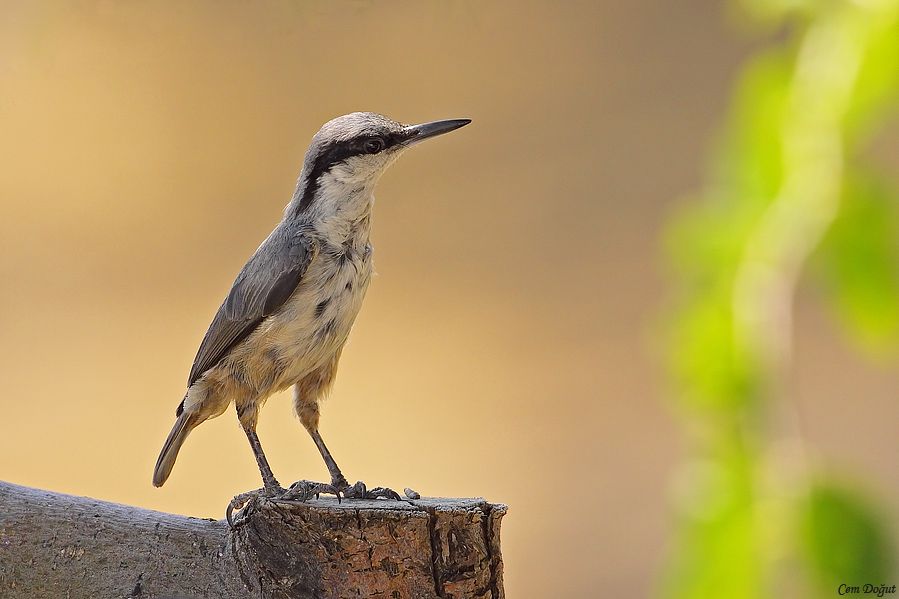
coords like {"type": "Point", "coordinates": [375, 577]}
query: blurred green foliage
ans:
{"type": "Point", "coordinates": [843, 539]}
{"type": "Point", "coordinates": [786, 202]}
{"type": "Point", "coordinates": [858, 261]}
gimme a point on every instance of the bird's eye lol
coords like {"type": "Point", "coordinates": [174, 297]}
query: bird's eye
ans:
{"type": "Point", "coordinates": [374, 145]}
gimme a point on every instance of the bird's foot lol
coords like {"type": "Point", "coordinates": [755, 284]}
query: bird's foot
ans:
{"type": "Point", "coordinates": [303, 490]}
{"type": "Point", "coordinates": [306, 489]}
{"type": "Point", "coordinates": [242, 501]}
{"type": "Point", "coordinates": [360, 491]}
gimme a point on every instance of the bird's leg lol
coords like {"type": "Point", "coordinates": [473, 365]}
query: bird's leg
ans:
{"type": "Point", "coordinates": [305, 401]}
{"type": "Point", "coordinates": [338, 480]}
{"type": "Point", "coordinates": [270, 488]}
{"type": "Point", "coordinates": [304, 489]}
{"type": "Point", "coordinates": [270, 483]}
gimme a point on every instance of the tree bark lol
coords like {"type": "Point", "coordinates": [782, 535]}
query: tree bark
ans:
{"type": "Point", "coordinates": [60, 546]}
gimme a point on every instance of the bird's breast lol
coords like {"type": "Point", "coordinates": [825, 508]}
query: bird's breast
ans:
{"type": "Point", "coordinates": [315, 322]}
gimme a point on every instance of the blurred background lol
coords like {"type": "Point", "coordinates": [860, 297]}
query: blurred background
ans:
{"type": "Point", "coordinates": [648, 298]}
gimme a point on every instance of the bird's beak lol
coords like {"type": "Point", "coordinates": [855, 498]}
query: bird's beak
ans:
{"type": "Point", "coordinates": [417, 133]}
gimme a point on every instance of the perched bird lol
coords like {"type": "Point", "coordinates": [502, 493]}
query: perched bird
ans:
{"type": "Point", "coordinates": [291, 308]}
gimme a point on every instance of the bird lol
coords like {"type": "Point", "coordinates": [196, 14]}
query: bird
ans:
{"type": "Point", "coordinates": [290, 310]}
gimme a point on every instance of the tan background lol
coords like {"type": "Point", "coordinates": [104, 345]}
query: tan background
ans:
{"type": "Point", "coordinates": [507, 347]}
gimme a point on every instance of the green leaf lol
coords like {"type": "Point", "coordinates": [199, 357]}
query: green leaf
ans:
{"type": "Point", "coordinates": [843, 539]}
{"type": "Point", "coordinates": [719, 553]}
{"type": "Point", "coordinates": [877, 86]}
{"type": "Point", "coordinates": [711, 368]}
{"type": "Point", "coordinates": [750, 167]}
{"type": "Point", "coordinates": [859, 261]}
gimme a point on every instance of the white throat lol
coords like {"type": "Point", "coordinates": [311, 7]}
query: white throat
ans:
{"type": "Point", "coordinates": [341, 211]}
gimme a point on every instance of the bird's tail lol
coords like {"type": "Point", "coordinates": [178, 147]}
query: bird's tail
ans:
{"type": "Point", "coordinates": [183, 425]}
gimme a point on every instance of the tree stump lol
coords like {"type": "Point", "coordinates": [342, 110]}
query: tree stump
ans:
{"type": "Point", "coordinates": [59, 546]}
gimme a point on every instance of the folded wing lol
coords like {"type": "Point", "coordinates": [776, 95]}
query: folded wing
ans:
{"type": "Point", "coordinates": [266, 281]}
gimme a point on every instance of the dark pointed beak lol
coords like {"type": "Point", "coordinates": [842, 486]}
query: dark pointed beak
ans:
{"type": "Point", "coordinates": [417, 133]}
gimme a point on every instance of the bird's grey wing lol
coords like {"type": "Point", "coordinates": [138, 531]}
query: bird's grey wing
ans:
{"type": "Point", "coordinates": [263, 285]}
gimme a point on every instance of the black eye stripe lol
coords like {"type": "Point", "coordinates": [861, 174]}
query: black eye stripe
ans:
{"type": "Point", "coordinates": [337, 152]}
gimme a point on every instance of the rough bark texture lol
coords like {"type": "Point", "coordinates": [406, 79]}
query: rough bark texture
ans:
{"type": "Point", "coordinates": [60, 546]}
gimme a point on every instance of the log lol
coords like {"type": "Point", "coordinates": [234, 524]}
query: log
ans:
{"type": "Point", "coordinates": [60, 546]}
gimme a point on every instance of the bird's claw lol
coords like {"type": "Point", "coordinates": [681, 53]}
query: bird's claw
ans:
{"type": "Point", "coordinates": [360, 491]}
{"type": "Point", "coordinates": [305, 489]}
{"type": "Point", "coordinates": [240, 502]}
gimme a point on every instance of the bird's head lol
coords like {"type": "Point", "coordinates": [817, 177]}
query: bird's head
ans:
{"type": "Point", "coordinates": [353, 150]}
